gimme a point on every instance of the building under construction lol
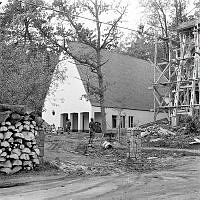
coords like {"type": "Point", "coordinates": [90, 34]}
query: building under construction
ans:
{"type": "Point", "coordinates": [176, 85]}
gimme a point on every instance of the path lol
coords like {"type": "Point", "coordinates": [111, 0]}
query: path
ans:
{"type": "Point", "coordinates": [181, 182]}
{"type": "Point", "coordinates": [195, 151]}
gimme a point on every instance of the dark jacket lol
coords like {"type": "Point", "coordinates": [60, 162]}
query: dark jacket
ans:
{"type": "Point", "coordinates": [92, 126]}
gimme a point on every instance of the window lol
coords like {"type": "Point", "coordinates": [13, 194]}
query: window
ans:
{"type": "Point", "coordinates": [130, 121]}
{"type": "Point", "coordinates": [122, 121]}
{"type": "Point", "coordinates": [114, 121]}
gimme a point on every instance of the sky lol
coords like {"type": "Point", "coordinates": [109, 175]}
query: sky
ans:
{"type": "Point", "coordinates": [132, 18]}
{"type": "Point", "coordinates": [135, 14]}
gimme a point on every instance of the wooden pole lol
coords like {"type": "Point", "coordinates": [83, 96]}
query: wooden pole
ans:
{"type": "Point", "coordinates": [154, 76]}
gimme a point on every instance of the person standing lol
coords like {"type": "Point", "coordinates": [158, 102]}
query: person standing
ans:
{"type": "Point", "coordinates": [53, 129]}
{"type": "Point", "coordinates": [68, 126]}
{"type": "Point", "coordinates": [92, 128]}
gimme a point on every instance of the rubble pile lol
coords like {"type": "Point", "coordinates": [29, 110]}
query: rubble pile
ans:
{"type": "Point", "coordinates": [18, 146]}
{"type": "Point", "coordinates": [156, 131]}
{"type": "Point", "coordinates": [162, 135]}
{"type": "Point", "coordinates": [151, 130]}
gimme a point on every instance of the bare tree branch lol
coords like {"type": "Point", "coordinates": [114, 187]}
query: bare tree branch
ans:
{"type": "Point", "coordinates": [105, 42]}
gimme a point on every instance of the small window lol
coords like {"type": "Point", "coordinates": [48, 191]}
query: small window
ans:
{"type": "Point", "coordinates": [114, 121]}
{"type": "Point", "coordinates": [122, 121]}
{"type": "Point", "coordinates": [130, 121]}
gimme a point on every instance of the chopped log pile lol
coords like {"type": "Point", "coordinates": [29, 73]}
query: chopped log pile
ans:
{"type": "Point", "coordinates": [18, 146]}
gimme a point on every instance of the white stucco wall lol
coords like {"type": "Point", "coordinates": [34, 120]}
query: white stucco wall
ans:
{"type": "Point", "coordinates": [67, 98]}
{"type": "Point", "coordinates": [140, 117]}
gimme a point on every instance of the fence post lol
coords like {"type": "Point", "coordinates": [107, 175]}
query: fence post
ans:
{"type": "Point", "coordinates": [40, 142]}
{"type": "Point", "coordinates": [135, 145]}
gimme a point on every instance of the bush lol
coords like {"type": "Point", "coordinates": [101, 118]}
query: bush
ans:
{"type": "Point", "coordinates": [191, 124]}
{"type": "Point", "coordinates": [46, 165]}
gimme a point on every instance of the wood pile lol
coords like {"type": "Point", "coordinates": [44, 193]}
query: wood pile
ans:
{"type": "Point", "coordinates": [18, 145]}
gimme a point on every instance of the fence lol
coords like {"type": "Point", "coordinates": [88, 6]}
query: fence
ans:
{"type": "Point", "coordinates": [134, 137]}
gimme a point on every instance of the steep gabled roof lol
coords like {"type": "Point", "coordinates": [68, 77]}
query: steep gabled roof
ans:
{"type": "Point", "coordinates": [128, 80]}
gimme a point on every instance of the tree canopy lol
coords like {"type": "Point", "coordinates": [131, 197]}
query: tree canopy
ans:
{"type": "Point", "coordinates": [162, 19]}
{"type": "Point", "coordinates": [27, 66]}
{"type": "Point", "coordinates": [45, 30]}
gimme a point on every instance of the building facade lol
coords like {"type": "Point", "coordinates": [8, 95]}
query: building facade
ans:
{"type": "Point", "coordinates": [127, 98]}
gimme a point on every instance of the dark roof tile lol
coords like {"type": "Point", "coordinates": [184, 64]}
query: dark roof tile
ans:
{"type": "Point", "coordinates": [128, 78]}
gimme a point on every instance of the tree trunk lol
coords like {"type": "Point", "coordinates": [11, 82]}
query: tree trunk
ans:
{"type": "Point", "coordinates": [103, 114]}
{"type": "Point", "coordinates": [99, 70]}
{"type": "Point", "coordinates": [119, 126]}
{"type": "Point", "coordinates": [101, 90]}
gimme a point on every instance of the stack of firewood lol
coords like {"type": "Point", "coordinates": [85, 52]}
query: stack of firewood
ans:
{"type": "Point", "coordinates": [18, 146]}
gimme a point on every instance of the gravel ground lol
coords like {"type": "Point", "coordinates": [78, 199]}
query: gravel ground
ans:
{"type": "Point", "coordinates": [66, 154]}
{"type": "Point", "coordinates": [71, 150]}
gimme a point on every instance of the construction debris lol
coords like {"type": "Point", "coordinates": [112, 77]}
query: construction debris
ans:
{"type": "Point", "coordinates": [162, 135]}
{"type": "Point", "coordinates": [156, 130]}
{"type": "Point", "coordinates": [197, 141]}
{"type": "Point", "coordinates": [155, 140]}
{"type": "Point", "coordinates": [107, 145]}
{"type": "Point", "coordinates": [163, 131]}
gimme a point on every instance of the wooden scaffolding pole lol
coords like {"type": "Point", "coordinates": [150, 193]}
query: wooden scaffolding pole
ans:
{"type": "Point", "coordinates": [154, 78]}
{"type": "Point", "coordinates": [176, 84]}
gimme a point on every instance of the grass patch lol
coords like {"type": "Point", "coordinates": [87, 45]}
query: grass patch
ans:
{"type": "Point", "coordinates": [46, 166]}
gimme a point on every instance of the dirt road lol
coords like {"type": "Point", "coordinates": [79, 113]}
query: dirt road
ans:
{"type": "Point", "coordinates": [179, 183]}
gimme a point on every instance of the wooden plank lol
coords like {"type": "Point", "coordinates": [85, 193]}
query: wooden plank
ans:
{"type": "Point", "coordinates": [162, 63]}
{"type": "Point", "coordinates": [21, 109]}
{"type": "Point", "coordinates": [163, 73]}
{"type": "Point", "coordinates": [180, 106]}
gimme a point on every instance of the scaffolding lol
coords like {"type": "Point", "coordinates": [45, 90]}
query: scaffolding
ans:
{"type": "Point", "coordinates": [176, 85]}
